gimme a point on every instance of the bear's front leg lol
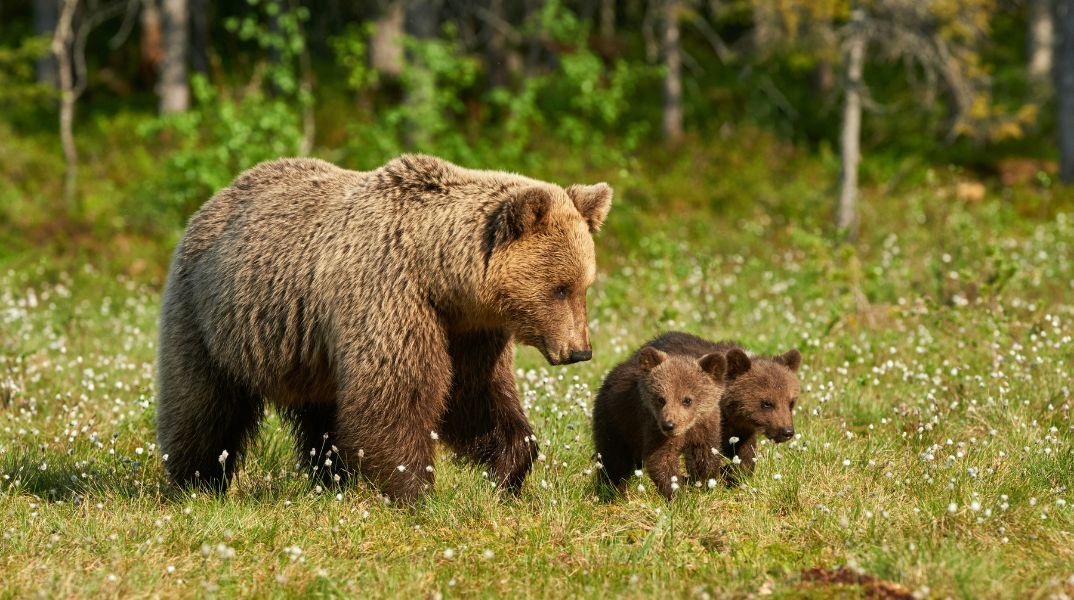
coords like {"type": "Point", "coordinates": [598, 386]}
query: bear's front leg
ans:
{"type": "Point", "coordinates": [702, 451]}
{"type": "Point", "coordinates": [663, 466]}
{"type": "Point", "coordinates": [390, 402]}
{"type": "Point", "coordinates": [484, 420]}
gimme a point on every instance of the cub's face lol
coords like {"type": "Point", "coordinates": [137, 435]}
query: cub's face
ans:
{"type": "Point", "coordinates": [677, 390]}
{"type": "Point", "coordinates": [542, 263]}
{"type": "Point", "coordinates": [766, 391]}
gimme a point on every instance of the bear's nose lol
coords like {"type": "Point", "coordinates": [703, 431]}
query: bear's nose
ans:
{"type": "Point", "coordinates": [580, 356]}
{"type": "Point", "coordinates": [667, 425]}
{"type": "Point", "coordinates": [786, 433]}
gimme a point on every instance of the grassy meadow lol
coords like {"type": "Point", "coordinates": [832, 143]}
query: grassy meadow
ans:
{"type": "Point", "coordinates": [934, 455]}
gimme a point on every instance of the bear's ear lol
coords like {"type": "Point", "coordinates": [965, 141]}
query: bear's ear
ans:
{"type": "Point", "coordinates": [649, 358]}
{"type": "Point", "coordinates": [791, 359]}
{"type": "Point", "coordinates": [715, 364]}
{"type": "Point", "coordinates": [523, 212]}
{"type": "Point", "coordinates": [738, 362]}
{"type": "Point", "coordinates": [593, 201]}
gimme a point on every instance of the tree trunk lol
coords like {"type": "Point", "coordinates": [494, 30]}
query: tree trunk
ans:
{"type": "Point", "coordinates": [1041, 42]}
{"type": "Point", "coordinates": [199, 36]}
{"type": "Point", "coordinates": [1065, 89]}
{"type": "Point", "coordinates": [672, 74]}
{"type": "Point", "coordinates": [305, 64]}
{"type": "Point", "coordinates": [151, 43]}
{"type": "Point", "coordinates": [850, 143]}
{"type": "Point", "coordinates": [45, 17]}
{"type": "Point", "coordinates": [496, 58]}
{"type": "Point", "coordinates": [61, 49]}
{"type": "Point", "coordinates": [386, 47]}
{"type": "Point", "coordinates": [422, 19]}
{"type": "Point", "coordinates": [173, 87]}
{"type": "Point", "coordinates": [607, 19]}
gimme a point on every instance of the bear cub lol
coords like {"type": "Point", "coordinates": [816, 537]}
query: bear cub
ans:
{"type": "Point", "coordinates": [646, 408]}
{"type": "Point", "coordinates": [760, 396]}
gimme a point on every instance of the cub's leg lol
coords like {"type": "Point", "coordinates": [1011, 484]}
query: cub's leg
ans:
{"type": "Point", "coordinates": [662, 464]}
{"type": "Point", "coordinates": [702, 451]}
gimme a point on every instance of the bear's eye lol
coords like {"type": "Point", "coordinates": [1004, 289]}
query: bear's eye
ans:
{"type": "Point", "coordinates": [562, 292]}
{"type": "Point", "coordinates": [687, 401]}
{"type": "Point", "coordinates": [660, 400]}
{"type": "Point", "coordinates": [767, 404]}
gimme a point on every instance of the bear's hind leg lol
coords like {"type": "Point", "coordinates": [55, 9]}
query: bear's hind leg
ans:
{"type": "Point", "coordinates": [204, 417]}
{"type": "Point", "coordinates": [314, 427]}
{"type": "Point", "coordinates": [484, 420]}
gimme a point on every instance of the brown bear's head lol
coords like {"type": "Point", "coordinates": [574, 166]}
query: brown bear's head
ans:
{"type": "Point", "coordinates": [763, 391]}
{"type": "Point", "coordinates": [541, 262]}
{"type": "Point", "coordinates": [677, 389]}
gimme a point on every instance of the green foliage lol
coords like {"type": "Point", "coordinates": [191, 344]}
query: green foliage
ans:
{"type": "Point", "coordinates": [583, 103]}
{"type": "Point", "coordinates": [214, 141]}
{"type": "Point", "coordinates": [17, 83]}
{"type": "Point", "coordinates": [223, 133]}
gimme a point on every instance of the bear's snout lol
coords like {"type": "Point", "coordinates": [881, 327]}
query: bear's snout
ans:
{"type": "Point", "coordinates": [580, 355]}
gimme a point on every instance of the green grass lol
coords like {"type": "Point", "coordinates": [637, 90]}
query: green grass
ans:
{"type": "Point", "coordinates": [935, 446]}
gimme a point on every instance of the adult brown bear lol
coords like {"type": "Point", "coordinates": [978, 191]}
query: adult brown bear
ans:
{"type": "Point", "coordinates": [379, 308]}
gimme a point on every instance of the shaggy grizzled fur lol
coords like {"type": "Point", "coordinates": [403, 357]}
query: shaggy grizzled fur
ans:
{"type": "Point", "coordinates": [379, 308]}
{"type": "Point", "coordinates": [647, 408]}
{"type": "Point", "coordinates": [760, 397]}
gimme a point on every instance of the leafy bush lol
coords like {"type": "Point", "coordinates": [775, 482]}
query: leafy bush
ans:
{"type": "Point", "coordinates": [223, 133]}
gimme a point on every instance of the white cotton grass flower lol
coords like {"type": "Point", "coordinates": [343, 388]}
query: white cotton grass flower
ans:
{"type": "Point", "coordinates": [222, 458]}
{"type": "Point", "coordinates": [733, 439]}
{"type": "Point", "coordinates": [952, 507]}
{"type": "Point", "coordinates": [711, 483]}
{"type": "Point", "coordinates": [449, 553]}
{"type": "Point", "coordinates": [434, 435]}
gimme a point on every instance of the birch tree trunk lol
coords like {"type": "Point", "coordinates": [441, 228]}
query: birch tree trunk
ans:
{"type": "Point", "coordinates": [1041, 41]}
{"type": "Point", "coordinates": [61, 49]}
{"type": "Point", "coordinates": [173, 87]}
{"type": "Point", "coordinates": [672, 74]}
{"type": "Point", "coordinates": [850, 142]}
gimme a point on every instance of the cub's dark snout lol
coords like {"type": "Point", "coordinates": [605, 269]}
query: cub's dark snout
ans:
{"type": "Point", "coordinates": [785, 434]}
{"type": "Point", "coordinates": [667, 426]}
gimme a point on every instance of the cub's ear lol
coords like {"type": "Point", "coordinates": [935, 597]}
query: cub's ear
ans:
{"type": "Point", "coordinates": [593, 201]}
{"type": "Point", "coordinates": [522, 213]}
{"type": "Point", "coordinates": [715, 364]}
{"type": "Point", "coordinates": [791, 359]}
{"type": "Point", "coordinates": [738, 362]}
{"type": "Point", "coordinates": [649, 358]}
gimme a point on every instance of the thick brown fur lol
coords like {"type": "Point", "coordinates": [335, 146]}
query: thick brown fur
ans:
{"type": "Point", "coordinates": [760, 397]}
{"type": "Point", "coordinates": [646, 410]}
{"type": "Point", "coordinates": [380, 308]}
